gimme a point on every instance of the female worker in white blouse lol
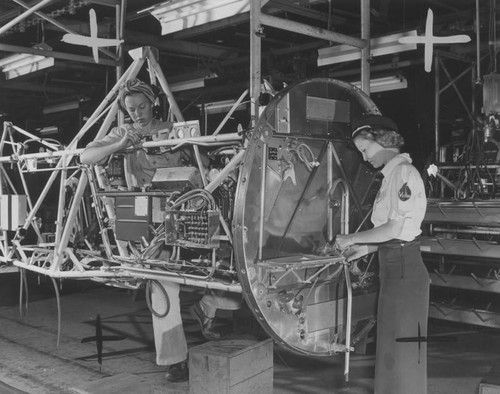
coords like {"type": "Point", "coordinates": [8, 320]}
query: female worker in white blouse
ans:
{"type": "Point", "coordinates": [398, 211]}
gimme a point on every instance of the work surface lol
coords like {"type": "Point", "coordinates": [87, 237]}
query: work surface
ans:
{"type": "Point", "coordinates": [32, 362]}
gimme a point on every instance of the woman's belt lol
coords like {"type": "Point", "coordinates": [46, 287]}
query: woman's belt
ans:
{"type": "Point", "coordinates": [398, 242]}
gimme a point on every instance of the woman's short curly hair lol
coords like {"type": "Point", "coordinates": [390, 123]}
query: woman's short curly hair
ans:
{"type": "Point", "coordinates": [378, 128]}
{"type": "Point", "coordinates": [385, 138]}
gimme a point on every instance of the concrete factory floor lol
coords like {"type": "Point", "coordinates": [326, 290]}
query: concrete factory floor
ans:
{"type": "Point", "coordinates": [31, 361]}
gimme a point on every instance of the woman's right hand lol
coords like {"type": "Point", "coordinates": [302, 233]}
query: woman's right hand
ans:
{"type": "Point", "coordinates": [130, 138]}
{"type": "Point", "coordinates": [356, 252]}
{"type": "Point", "coordinates": [343, 241]}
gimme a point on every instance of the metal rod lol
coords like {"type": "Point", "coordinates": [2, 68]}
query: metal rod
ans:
{"type": "Point", "coordinates": [24, 15]}
{"type": "Point", "coordinates": [329, 160]}
{"type": "Point", "coordinates": [59, 252]}
{"type": "Point", "coordinates": [478, 43]}
{"type": "Point", "coordinates": [228, 115]}
{"type": "Point", "coordinates": [436, 108]}
{"type": "Point", "coordinates": [255, 59]}
{"type": "Point", "coordinates": [485, 231]}
{"type": "Point", "coordinates": [60, 206]}
{"type": "Point", "coordinates": [262, 198]}
{"type": "Point", "coordinates": [35, 138]}
{"type": "Point", "coordinates": [365, 51]}
{"type": "Point", "coordinates": [223, 174]}
{"type": "Point", "coordinates": [348, 322]}
{"type": "Point", "coordinates": [120, 24]}
{"type": "Point", "coordinates": [459, 95]}
{"type": "Point", "coordinates": [311, 31]}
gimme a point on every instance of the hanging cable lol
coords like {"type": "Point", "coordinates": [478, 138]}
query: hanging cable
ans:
{"type": "Point", "coordinates": [149, 294]}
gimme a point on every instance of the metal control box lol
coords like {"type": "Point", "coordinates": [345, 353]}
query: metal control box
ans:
{"type": "Point", "coordinates": [192, 229]}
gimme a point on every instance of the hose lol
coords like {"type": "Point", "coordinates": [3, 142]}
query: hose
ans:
{"type": "Point", "coordinates": [149, 284]}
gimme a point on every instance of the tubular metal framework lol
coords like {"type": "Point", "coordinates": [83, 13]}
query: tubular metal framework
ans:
{"type": "Point", "coordinates": [256, 222]}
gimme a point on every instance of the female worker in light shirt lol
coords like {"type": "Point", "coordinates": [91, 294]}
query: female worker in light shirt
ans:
{"type": "Point", "coordinates": [398, 211]}
{"type": "Point", "coordinates": [137, 99]}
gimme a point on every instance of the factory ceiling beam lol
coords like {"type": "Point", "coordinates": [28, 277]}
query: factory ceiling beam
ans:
{"type": "Point", "coordinates": [179, 46]}
{"type": "Point", "coordinates": [212, 26]}
{"type": "Point", "coordinates": [286, 6]}
{"type": "Point", "coordinates": [109, 3]}
{"type": "Point", "coordinates": [311, 31]}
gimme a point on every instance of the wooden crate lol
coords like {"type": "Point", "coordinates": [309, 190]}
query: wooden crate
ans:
{"type": "Point", "coordinates": [238, 366]}
{"type": "Point", "coordinates": [490, 384]}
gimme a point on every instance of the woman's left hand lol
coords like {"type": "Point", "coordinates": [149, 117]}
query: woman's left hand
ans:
{"type": "Point", "coordinates": [343, 241]}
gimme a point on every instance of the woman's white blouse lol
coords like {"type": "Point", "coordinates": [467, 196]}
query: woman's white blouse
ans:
{"type": "Point", "coordinates": [401, 197]}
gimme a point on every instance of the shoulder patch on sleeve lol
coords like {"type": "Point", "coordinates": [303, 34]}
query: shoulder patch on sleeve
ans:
{"type": "Point", "coordinates": [405, 192]}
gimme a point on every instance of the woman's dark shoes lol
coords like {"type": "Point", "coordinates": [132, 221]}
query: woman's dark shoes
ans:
{"type": "Point", "coordinates": [206, 323]}
{"type": "Point", "coordinates": [178, 372]}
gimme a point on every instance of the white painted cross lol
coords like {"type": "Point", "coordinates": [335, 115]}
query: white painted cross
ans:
{"type": "Point", "coordinates": [429, 40]}
{"type": "Point", "coordinates": [93, 41]}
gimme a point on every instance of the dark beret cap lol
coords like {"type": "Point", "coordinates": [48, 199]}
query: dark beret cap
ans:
{"type": "Point", "coordinates": [374, 122]}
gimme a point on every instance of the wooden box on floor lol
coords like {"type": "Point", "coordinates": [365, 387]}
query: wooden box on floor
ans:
{"type": "Point", "coordinates": [237, 366]}
{"type": "Point", "coordinates": [490, 384]}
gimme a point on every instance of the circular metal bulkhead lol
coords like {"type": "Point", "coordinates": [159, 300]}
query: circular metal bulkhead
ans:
{"type": "Point", "coordinates": [288, 205]}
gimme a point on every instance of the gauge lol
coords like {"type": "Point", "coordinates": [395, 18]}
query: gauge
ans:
{"type": "Point", "coordinates": [193, 131]}
{"type": "Point", "coordinates": [180, 133]}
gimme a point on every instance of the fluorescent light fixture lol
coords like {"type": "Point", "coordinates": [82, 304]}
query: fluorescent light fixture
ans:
{"type": "Point", "coordinates": [48, 130]}
{"type": "Point", "coordinates": [393, 82]}
{"type": "Point", "coordinates": [187, 85]}
{"type": "Point", "coordinates": [24, 63]}
{"type": "Point", "coordinates": [378, 46]}
{"type": "Point", "coordinates": [197, 80]}
{"type": "Point", "coordinates": [176, 15]}
{"type": "Point", "coordinates": [221, 106]}
{"type": "Point", "coordinates": [61, 107]}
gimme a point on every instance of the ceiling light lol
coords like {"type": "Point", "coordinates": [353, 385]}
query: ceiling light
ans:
{"type": "Point", "coordinates": [383, 84]}
{"type": "Point", "coordinates": [196, 81]}
{"type": "Point", "coordinates": [220, 106]}
{"type": "Point", "coordinates": [176, 15]}
{"type": "Point", "coordinates": [61, 107]}
{"type": "Point", "coordinates": [48, 130]}
{"type": "Point", "coordinates": [21, 64]}
{"type": "Point", "coordinates": [187, 85]}
{"type": "Point", "coordinates": [378, 46]}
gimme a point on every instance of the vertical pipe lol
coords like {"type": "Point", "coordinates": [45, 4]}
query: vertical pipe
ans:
{"type": "Point", "coordinates": [329, 176]}
{"type": "Point", "coordinates": [478, 43]}
{"type": "Point", "coordinates": [262, 198]}
{"type": "Point", "coordinates": [436, 108]}
{"type": "Point", "coordinates": [120, 26]}
{"type": "Point", "coordinates": [255, 60]}
{"type": "Point", "coordinates": [60, 205]}
{"type": "Point", "coordinates": [365, 52]}
{"type": "Point", "coordinates": [348, 322]}
{"type": "Point", "coordinates": [474, 90]}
